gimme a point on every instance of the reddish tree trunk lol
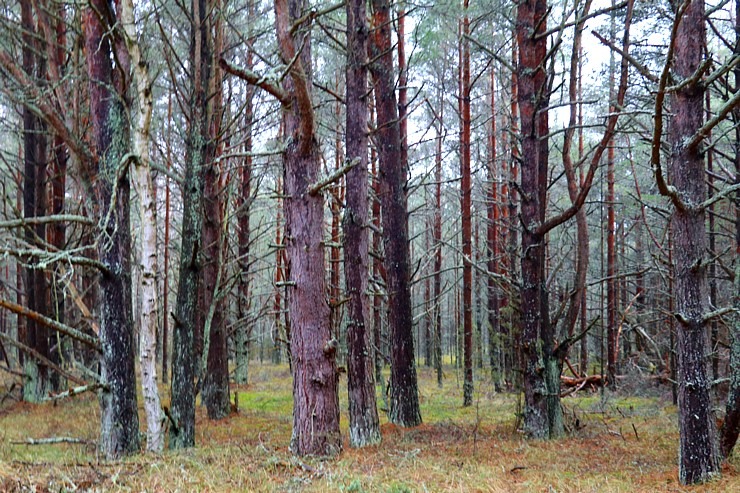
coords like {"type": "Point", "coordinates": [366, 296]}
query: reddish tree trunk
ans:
{"type": "Point", "coordinates": [404, 405]}
{"type": "Point", "coordinates": [216, 381]}
{"type": "Point", "coordinates": [313, 350]}
{"type": "Point", "coordinates": [699, 454]}
{"type": "Point", "coordinates": [537, 336]}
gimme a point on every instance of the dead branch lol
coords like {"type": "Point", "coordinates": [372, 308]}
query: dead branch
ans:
{"type": "Point", "coordinates": [43, 360]}
{"type": "Point", "coordinates": [51, 323]}
{"type": "Point", "coordinates": [52, 441]}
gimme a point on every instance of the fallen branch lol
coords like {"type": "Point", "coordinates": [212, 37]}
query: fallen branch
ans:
{"type": "Point", "coordinates": [74, 391]}
{"type": "Point", "coordinates": [52, 441]}
{"type": "Point", "coordinates": [51, 323]}
{"type": "Point", "coordinates": [582, 381]}
{"type": "Point", "coordinates": [41, 359]}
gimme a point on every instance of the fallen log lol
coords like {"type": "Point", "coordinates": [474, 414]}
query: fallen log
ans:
{"type": "Point", "coordinates": [596, 380]}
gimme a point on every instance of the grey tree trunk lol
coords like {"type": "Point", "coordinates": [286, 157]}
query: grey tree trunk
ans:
{"type": "Point", "coordinates": [119, 434]}
{"type": "Point", "coordinates": [364, 426]}
{"type": "Point", "coordinates": [184, 355]}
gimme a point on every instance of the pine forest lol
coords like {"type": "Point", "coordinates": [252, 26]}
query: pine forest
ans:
{"type": "Point", "coordinates": [369, 245]}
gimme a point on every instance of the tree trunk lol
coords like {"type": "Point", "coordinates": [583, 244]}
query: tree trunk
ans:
{"type": "Point", "coordinates": [215, 391]}
{"type": "Point", "coordinates": [537, 333]}
{"type": "Point", "coordinates": [38, 376]}
{"type": "Point", "coordinates": [437, 242]}
{"type": "Point", "coordinates": [313, 350]}
{"type": "Point", "coordinates": [404, 405]}
{"type": "Point", "coordinates": [244, 329]}
{"type": "Point", "coordinates": [495, 339]}
{"type": "Point", "coordinates": [119, 419]}
{"type": "Point", "coordinates": [184, 355]}
{"type": "Point", "coordinates": [731, 424]}
{"type": "Point", "coordinates": [612, 303]}
{"type": "Point", "coordinates": [465, 205]}
{"type": "Point", "coordinates": [699, 454]}
{"type": "Point", "coordinates": [148, 221]}
{"type": "Point", "coordinates": [364, 426]}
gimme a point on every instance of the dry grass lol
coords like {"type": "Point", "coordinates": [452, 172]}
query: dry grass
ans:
{"type": "Point", "coordinates": [622, 444]}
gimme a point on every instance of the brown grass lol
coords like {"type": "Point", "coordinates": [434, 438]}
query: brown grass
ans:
{"type": "Point", "coordinates": [456, 449]}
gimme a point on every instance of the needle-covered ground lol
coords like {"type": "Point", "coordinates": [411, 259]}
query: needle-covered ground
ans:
{"type": "Point", "coordinates": [616, 444]}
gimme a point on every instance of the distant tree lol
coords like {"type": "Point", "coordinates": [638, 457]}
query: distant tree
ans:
{"type": "Point", "coordinates": [465, 205]}
{"type": "Point", "coordinates": [39, 378]}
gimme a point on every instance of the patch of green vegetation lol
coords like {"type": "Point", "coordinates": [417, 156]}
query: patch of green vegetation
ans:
{"type": "Point", "coordinates": [266, 402]}
{"type": "Point", "coordinates": [398, 488]}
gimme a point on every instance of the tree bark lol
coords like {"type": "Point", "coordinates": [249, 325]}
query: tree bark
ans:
{"type": "Point", "coordinates": [244, 329]}
{"type": "Point", "coordinates": [437, 241]}
{"type": "Point", "coordinates": [35, 150]}
{"type": "Point", "coordinates": [364, 425]}
{"type": "Point", "coordinates": [148, 221]}
{"type": "Point", "coordinates": [731, 424]}
{"type": "Point", "coordinates": [313, 351]}
{"type": "Point", "coordinates": [495, 339]}
{"type": "Point", "coordinates": [184, 354]}
{"type": "Point", "coordinates": [537, 337]}
{"type": "Point", "coordinates": [404, 405]}
{"type": "Point", "coordinates": [119, 419]}
{"type": "Point", "coordinates": [465, 192]}
{"type": "Point", "coordinates": [698, 454]}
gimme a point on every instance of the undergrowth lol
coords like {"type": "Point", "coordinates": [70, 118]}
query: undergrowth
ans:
{"type": "Point", "coordinates": [615, 443]}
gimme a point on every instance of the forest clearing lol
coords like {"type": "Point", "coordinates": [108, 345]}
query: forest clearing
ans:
{"type": "Point", "coordinates": [625, 444]}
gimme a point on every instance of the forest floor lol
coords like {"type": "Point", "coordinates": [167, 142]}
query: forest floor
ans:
{"type": "Point", "coordinates": [617, 443]}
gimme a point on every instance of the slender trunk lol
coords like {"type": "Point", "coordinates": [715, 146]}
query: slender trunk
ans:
{"type": "Point", "coordinates": [148, 263]}
{"type": "Point", "coordinates": [404, 405]}
{"type": "Point", "coordinates": [465, 184]}
{"type": "Point", "coordinates": [277, 305]}
{"type": "Point", "coordinates": [243, 332]}
{"type": "Point", "coordinates": [612, 342]}
{"type": "Point", "coordinates": [364, 425]}
{"type": "Point", "coordinates": [515, 353]}
{"type": "Point", "coordinates": [495, 339]}
{"type": "Point", "coordinates": [38, 376]}
{"type": "Point", "coordinates": [166, 247]}
{"type": "Point", "coordinates": [119, 418]}
{"type": "Point", "coordinates": [185, 353]}
{"type": "Point", "coordinates": [437, 242]}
